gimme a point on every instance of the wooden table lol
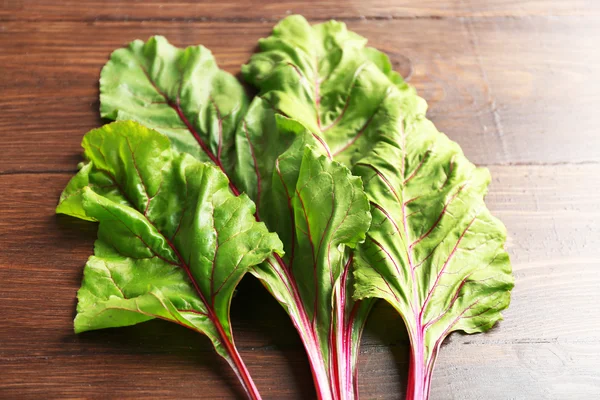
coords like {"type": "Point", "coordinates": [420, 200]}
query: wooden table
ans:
{"type": "Point", "coordinates": [516, 83]}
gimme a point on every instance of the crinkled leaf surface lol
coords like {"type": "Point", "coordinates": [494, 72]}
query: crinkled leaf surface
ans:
{"type": "Point", "coordinates": [320, 212]}
{"type": "Point", "coordinates": [433, 250]}
{"type": "Point", "coordinates": [179, 92]}
{"type": "Point", "coordinates": [143, 82]}
{"type": "Point", "coordinates": [324, 77]}
{"type": "Point", "coordinates": [173, 241]}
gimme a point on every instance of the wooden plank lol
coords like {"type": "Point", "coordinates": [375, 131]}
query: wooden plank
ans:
{"type": "Point", "coordinates": [522, 371]}
{"type": "Point", "coordinates": [546, 347]}
{"type": "Point", "coordinates": [542, 89]}
{"type": "Point", "coordinates": [509, 91]}
{"type": "Point", "coordinates": [274, 9]}
{"type": "Point", "coordinates": [180, 373]}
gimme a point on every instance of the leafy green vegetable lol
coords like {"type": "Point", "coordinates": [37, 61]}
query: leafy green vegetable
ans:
{"type": "Point", "coordinates": [274, 150]}
{"type": "Point", "coordinates": [320, 212]}
{"type": "Point", "coordinates": [324, 77]}
{"type": "Point", "coordinates": [181, 93]}
{"type": "Point", "coordinates": [316, 75]}
{"type": "Point", "coordinates": [173, 241]}
{"type": "Point", "coordinates": [433, 250]}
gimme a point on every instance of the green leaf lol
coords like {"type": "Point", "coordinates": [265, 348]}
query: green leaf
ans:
{"type": "Point", "coordinates": [329, 212]}
{"type": "Point", "coordinates": [173, 241]}
{"type": "Point", "coordinates": [320, 212]}
{"type": "Point", "coordinates": [179, 92]}
{"type": "Point", "coordinates": [433, 250]}
{"type": "Point", "coordinates": [324, 77]}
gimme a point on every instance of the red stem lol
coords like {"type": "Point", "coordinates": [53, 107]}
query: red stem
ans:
{"type": "Point", "coordinates": [236, 361]}
{"type": "Point", "coordinates": [421, 367]}
{"type": "Point", "coordinates": [309, 338]}
{"type": "Point", "coordinates": [238, 366]}
{"type": "Point", "coordinates": [338, 380]}
{"type": "Point", "coordinates": [215, 160]}
{"type": "Point", "coordinates": [317, 367]}
{"type": "Point", "coordinates": [175, 105]}
{"type": "Point", "coordinates": [342, 362]}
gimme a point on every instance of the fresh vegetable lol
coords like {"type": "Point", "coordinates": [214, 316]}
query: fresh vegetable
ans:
{"type": "Point", "coordinates": [321, 213]}
{"type": "Point", "coordinates": [325, 78]}
{"type": "Point", "coordinates": [274, 159]}
{"type": "Point", "coordinates": [173, 241]}
{"type": "Point", "coordinates": [181, 93]}
{"type": "Point", "coordinates": [331, 115]}
{"type": "Point", "coordinates": [315, 76]}
{"type": "Point", "coordinates": [433, 250]}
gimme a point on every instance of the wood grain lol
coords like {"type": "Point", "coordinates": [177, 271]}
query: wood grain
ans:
{"type": "Point", "coordinates": [509, 92]}
{"type": "Point", "coordinates": [514, 82]}
{"type": "Point", "coordinates": [554, 230]}
{"type": "Point", "coordinates": [276, 9]}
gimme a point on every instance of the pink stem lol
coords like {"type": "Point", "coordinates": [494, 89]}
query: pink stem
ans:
{"type": "Point", "coordinates": [330, 383]}
{"type": "Point", "coordinates": [421, 367]}
{"type": "Point", "coordinates": [342, 360]}
{"type": "Point", "coordinates": [238, 366]}
{"type": "Point", "coordinates": [318, 369]}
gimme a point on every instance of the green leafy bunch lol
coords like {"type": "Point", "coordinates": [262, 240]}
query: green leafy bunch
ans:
{"type": "Point", "coordinates": [330, 186]}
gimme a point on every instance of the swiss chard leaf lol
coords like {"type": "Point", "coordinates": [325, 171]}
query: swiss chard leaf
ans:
{"type": "Point", "coordinates": [173, 241]}
{"type": "Point", "coordinates": [320, 212]}
{"type": "Point", "coordinates": [324, 77]}
{"type": "Point", "coordinates": [179, 92]}
{"type": "Point", "coordinates": [433, 250]}
{"type": "Point", "coordinates": [359, 112]}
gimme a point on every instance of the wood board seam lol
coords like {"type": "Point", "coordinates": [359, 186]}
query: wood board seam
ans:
{"type": "Point", "coordinates": [276, 19]}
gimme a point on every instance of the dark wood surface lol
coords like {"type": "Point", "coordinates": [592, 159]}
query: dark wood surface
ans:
{"type": "Point", "coordinates": [516, 83]}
